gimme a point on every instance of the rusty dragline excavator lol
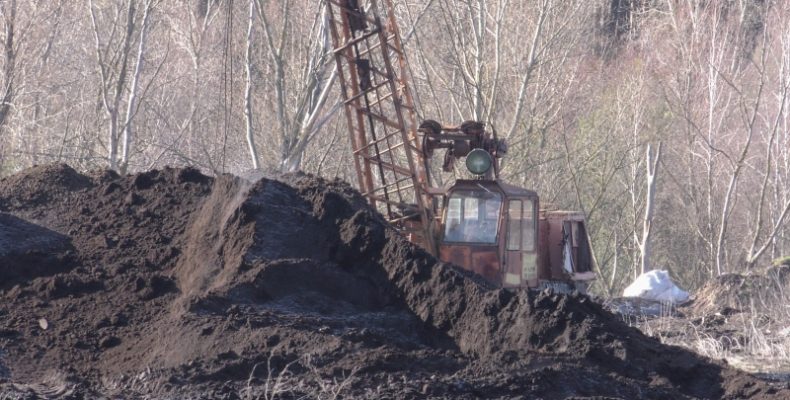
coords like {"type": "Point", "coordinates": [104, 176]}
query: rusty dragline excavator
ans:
{"type": "Point", "coordinates": [481, 224]}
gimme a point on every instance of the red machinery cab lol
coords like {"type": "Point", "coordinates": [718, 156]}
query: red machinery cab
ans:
{"type": "Point", "coordinates": [499, 232]}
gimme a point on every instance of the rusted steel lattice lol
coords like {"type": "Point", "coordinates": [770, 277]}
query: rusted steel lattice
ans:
{"type": "Point", "coordinates": [380, 114]}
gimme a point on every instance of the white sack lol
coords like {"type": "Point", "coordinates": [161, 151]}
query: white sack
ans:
{"type": "Point", "coordinates": [656, 285]}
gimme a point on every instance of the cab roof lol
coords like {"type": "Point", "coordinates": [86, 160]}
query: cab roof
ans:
{"type": "Point", "coordinates": [506, 188]}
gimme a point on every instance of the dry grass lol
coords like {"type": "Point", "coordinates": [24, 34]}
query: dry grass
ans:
{"type": "Point", "coordinates": [283, 383]}
{"type": "Point", "coordinates": [756, 340]}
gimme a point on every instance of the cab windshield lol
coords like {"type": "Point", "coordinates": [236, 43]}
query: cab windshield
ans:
{"type": "Point", "coordinates": [472, 216]}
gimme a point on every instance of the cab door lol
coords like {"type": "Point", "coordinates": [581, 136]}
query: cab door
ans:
{"type": "Point", "coordinates": [521, 243]}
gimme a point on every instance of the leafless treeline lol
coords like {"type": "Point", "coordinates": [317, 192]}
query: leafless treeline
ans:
{"type": "Point", "coordinates": [665, 120]}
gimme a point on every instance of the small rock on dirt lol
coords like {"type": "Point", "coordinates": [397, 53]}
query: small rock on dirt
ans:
{"type": "Point", "coordinates": [109, 342]}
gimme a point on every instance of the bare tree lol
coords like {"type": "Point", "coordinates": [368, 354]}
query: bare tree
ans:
{"type": "Point", "coordinates": [750, 109]}
{"type": "Point", "coordinates": [112, 65]}
{"type": "Point", "coordinates": [194, 31]}
{"type": "Point", "coordinates": [299, 116]}
{"type": "Point", "coordinates": [9, 12]}
{"type": "Point", "coordinates": [131, 103]}
{"type": "Point", "coordinates": [644, 242]}
{"type": "Point", "coordinates": [248, 89]}
{"type": "Point", "coordinates": [780, 95]}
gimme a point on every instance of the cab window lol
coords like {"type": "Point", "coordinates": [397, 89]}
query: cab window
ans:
{"type": "Point", "coordinates": [521, 225]}
{"type": "Point", "coordinates": [472, 216]}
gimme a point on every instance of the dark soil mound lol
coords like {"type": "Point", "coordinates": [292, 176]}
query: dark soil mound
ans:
{"type": "Point", "coordinates": [28, 251]}
{"type": "Point", "coordinates": [185, 285]}
{"type": "Point", "coordinates": [24, 190]}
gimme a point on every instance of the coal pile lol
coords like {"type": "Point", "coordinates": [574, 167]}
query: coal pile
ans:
{"type": "Point", "coordinates": [172, 284]}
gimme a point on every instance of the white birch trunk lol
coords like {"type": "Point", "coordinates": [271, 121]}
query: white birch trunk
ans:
{"type": "Point", "coordinates": [248, 91]}
{"type": "Point", "coordinates": [132, 102]}
{"type": "Point", "coordinates": [645, 244]}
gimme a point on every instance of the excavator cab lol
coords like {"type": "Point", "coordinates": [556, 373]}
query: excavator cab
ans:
{"type": "Point", "coordinates": [499, 232]}
{"type": "Point", "coordinates": [491, 228]}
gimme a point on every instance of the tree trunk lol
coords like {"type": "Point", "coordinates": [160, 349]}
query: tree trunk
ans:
{"type": "Point", "coordinates": [647, 223]}
{"type": "Point", "coordinates": [132, 103]}
{"type": "Point", "coordinates": [10, 64]}
{"type": "Point", "coordinates": [248, 91]}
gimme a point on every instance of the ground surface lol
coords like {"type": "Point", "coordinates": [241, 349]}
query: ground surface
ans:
{"type": "Point", "coordinates": [171, 284]}
{"type": "Point", "coordinates": [744, 319]}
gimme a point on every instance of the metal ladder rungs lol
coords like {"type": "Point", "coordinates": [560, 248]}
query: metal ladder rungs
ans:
{"type": "Point", "coordinates": [389, 185]}
{"type": "Point", "coordinates": [362, 93]}
{"type": "Point", "coordinates": [392, 167]}
{"type": "Point", "coordinates": [375, 142]}
{"type": "Point", "coordinates": [384, 120]}
{"type": "Point", "coordinates": [355, 41]}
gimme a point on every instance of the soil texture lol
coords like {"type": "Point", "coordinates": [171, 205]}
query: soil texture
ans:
{"type": "Point", "coordinates": [172, 284]}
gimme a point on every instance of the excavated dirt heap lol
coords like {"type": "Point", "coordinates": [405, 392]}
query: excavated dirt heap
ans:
{"type": "Point", "coordinates": [172, 284]}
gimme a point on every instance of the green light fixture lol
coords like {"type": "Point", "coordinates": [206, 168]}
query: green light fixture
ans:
{"type": "Point", "coordinates": [478, 161]}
